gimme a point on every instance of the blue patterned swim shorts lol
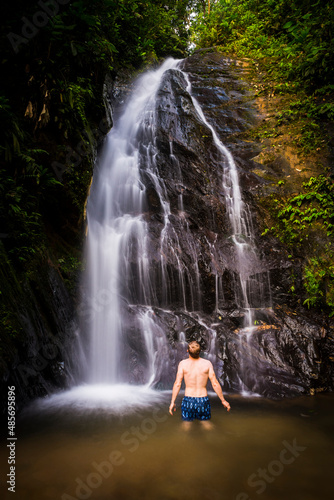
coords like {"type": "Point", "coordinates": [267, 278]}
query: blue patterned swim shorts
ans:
{"type": "Point", "coordinates": [193, 408]}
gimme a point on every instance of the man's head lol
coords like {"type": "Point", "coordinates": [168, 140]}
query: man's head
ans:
{"type": "Point", "coordinates": [194, 349]}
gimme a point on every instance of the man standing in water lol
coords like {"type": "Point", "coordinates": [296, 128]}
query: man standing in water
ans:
{"type": "Point", "coordinates": [196, 371]}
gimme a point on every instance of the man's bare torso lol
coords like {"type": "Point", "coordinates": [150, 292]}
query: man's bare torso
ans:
{"type": "Point", "coordinates": [196, 373]}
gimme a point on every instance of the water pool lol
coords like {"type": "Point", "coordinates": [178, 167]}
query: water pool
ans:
{"type": "Point", "coordinates": [271, 450]}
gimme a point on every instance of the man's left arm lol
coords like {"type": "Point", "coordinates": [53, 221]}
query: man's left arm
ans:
{"type": "Point", "coordinates": [176, 388]}
{"type": "Point", "coordinates": [217, 388]}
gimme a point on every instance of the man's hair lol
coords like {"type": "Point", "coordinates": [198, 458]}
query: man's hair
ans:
{"type": "Point", "coordinates": [194, 349]}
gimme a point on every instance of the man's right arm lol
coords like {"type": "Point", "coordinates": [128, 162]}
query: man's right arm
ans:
{"type": "Point", "coordinates": [176, 387]}
{"type": "Point", "coordinates": [217, 388]}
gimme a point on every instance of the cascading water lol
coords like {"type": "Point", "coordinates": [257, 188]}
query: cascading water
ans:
{"type": "Point", "coordinates": [117, 232]}
{"type": "Point", "coordinates": [251, 286]}
{"type": "Point", "coordinates": [135, 261]}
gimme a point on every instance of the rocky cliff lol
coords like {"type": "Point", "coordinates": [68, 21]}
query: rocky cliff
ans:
{"type": "Point", "coordinates": [287, 352]}
{"type": "Point", "coordinates": [38, 341]}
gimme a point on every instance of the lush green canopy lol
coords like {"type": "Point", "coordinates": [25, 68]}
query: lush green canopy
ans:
{"type": "Point", "coordinates": [55, 57]}
{"type": "Point", "coordinates": [294, 35]}
{"type": "Point", "coordinates": [57, 53]}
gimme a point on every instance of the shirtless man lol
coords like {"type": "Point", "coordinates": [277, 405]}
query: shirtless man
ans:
{"type": "Point", "coordinates": [196, 371]}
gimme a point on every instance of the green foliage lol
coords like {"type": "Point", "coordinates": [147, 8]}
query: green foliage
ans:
{"type": "Point", "coordinates": [305, 223]}
{"type": "Point", "coordinates": [10, 131]}
{"type": "Point", "coordinates": [9, 322]}
{"type": "Point", "coordinates": [311, 137]}
{"type": "Point", "coordinates": [318, 279]}
{"type": "Point", "coordinates": [22, 189]}
{"type": "Point", "coordinates": [20, 220]}
{"type": "Point", "coordinates": [308, 113]}
{"type": "Point", "coordinates": [73, 99]}
{"type": "Point", "coordinates": [312, 210]}
{"type": "Point", "coordinates": [292, 38]}
{"type": "Point", "coordinates": [310, 106]}
{"type": "Point", "coordinates": [290, 50]}
{"type": "Point", "coordinates": [70, 268]}
{"type": "Point", "coordinates": [38, 174]}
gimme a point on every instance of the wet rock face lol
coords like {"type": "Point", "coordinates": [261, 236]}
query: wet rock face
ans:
{"type": "Point", "coordinates": [284, 359]}
{"type": "Point", "coordinates": [194, 171]}
{"type": "Point", "coordinates": [191, 167]}
{"type": "Point", "coordinates": [285, 354]}
{"type": "Point", "coordinates": [41, 355]}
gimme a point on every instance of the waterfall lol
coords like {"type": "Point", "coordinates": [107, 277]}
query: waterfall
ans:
{"type": "Point", "coordinates": [135, 260]}
{"type": "Point", "coordinates": [118, 265]}
{"type": "Point", "coordinates": [249, 292]}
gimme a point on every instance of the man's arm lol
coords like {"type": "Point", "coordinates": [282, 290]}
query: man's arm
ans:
{"type": "Point", "coordinates": [176, 387]}
{"type": "Point", "coordinates": [217, 388]}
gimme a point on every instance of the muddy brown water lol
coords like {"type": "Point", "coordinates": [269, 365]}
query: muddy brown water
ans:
{"type": "Point", "coordinates": [268, 450]}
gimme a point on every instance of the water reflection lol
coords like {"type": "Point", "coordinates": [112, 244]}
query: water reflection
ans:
{"type": "Point", "coordinates": [104, 454]}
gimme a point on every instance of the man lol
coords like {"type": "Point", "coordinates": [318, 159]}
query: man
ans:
{"type": "Point", "coordinates": [196, 371]}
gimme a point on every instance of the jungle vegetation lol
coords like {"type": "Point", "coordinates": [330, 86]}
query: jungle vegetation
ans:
{"type": "Point", "coordinates": [55, 55]}
{"type": "Point", "coordinates": [291, 43]}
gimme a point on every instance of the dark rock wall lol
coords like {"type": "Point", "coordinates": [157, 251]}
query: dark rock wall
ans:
{"type": "Point", "coordinates": [40, 353]}
{"type": "Point", "coordinates": [289, 352]}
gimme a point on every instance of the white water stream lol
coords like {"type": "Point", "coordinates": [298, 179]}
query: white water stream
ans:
{"type": "Point", "coordinates": [117, 231]}
{"type": "Point", "coordinates": [119, 267]}
{"type": "Point", "coordinates": [251, 286]}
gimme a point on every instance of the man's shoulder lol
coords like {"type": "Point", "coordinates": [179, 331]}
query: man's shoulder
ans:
{"type": "Point", "coordinates": [201, 362]}
{"type": "Point", "coordinates": [206, 362]}
{"type": "Point", "coordinates": [185, 363]}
